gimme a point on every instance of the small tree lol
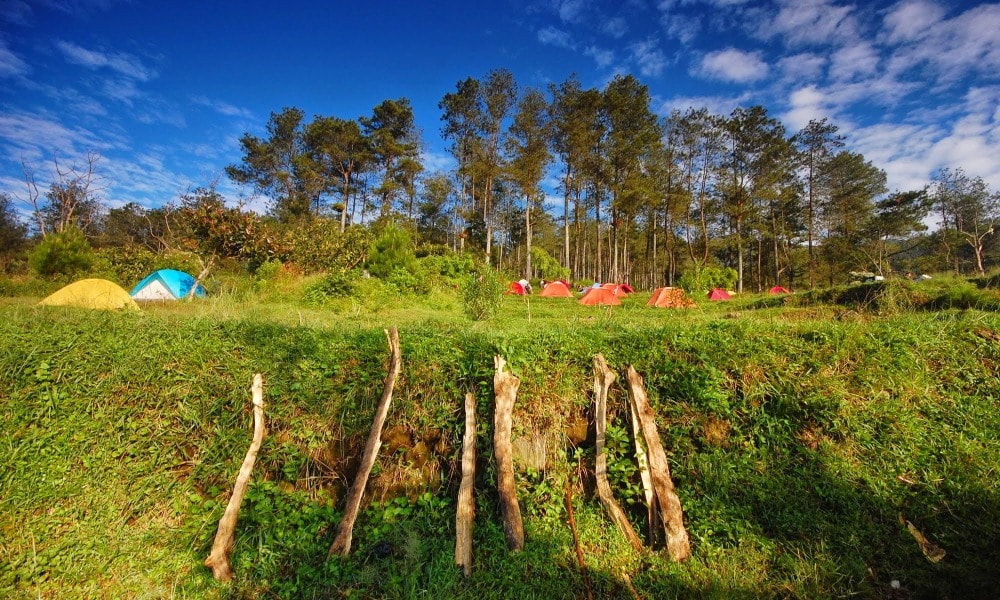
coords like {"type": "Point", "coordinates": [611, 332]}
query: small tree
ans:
{"type": "Point", "coordinates": [392, 250]}
{"type": "Point", "coordinates": [64, 253]}
{"type": "Point", "coordinates": [13, 232]}
{"type": "Point", "coordinates": [482, 293]}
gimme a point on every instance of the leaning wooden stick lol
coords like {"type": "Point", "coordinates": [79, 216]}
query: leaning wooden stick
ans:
{"type": "Point", "coordinates": [603, 378]}
{"type": "Point", "coordinates": [505, 386]}
{"type": "Point", "coordinates": [576, 540]}
{"type": "Point", "coordinates": [218, 558]}
{"type": "Point", "coordinates": [678, 544]}
{"type": "Point", "coordinates": [652, 507]}
{"type": "Point", "coordinates": [342, 542]}
{"type": "Point", "coordinates": [466, 512]}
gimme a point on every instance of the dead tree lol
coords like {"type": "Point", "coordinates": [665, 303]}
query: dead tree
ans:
{"type": "Point", "coordinates": [342, 542]}
{"type": "Point", "coordinates": [678, 544]}
{"type": "Point", "coordinates": [218, 559]}
{"type": "Point", "coordinates": [603, 378]}
{"type": "Point", "coordinates": [466, 511]}
{"type": "Point", "coordinates": [505, 386]}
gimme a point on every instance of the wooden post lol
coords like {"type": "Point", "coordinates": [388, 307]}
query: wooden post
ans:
{"type": "Point", "coordinates": [678, 544]}
{"type": "Point", "coordinates": [466, 510]}
{"type": "Point", "coordinates": [652, 507]}
{"type": "Point", "coordinates": [342, 542]}
{"type": "Point", "coordinates": [218, 558]}
{"type": "Point", "coordinates": [603, 378]}
{"type": "Point", "coordinates": [505, 386]}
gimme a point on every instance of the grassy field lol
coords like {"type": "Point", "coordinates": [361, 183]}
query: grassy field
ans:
{"type": "Point", "coordinates": [802, 432]}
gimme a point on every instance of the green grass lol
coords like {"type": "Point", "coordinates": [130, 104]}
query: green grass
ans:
{"type": "Point", "coordinates": [799, 432]}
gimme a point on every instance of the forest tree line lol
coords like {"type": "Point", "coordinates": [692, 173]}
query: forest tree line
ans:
{"type": "Point", "coordinates": [590, 181]}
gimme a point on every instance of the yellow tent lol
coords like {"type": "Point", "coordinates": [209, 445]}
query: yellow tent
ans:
{"type": "Point", "coordinates": [91, 293]}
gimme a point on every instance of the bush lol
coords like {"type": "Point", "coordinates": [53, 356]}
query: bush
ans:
{"type": "Point", "coordinates": [320, 246]}
{"type": "Point", "coordinates": [482, 293]}
{"type": "Point", "coordinates": [129, 264]}
{"type": "Point", "coordinates": [338, 284]}
{"type": "Point", "coordinates": [65, 253]}
{"type": "Point", "coordinates": [699, 281]}
{"type": "Point", "coordinates": [392, 250]}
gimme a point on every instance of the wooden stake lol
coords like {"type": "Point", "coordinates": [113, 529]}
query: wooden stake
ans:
{"type": "Point", "coordinates": [218, 558]}
{"type": "Point", "coordinates": [466, 511]}
{"type": "Point", "coordinates": [603, 378]}
{"type": "Point", "coordinates": [678, 544]}
{"type": "Point", "coordinates": [576, 540]}
{"type": "Point", "coordinates": [342, 542]}
{"type": "Point", "coordinates": [652, 507]}
{"type": "Point", "coordinates": [505, 386]}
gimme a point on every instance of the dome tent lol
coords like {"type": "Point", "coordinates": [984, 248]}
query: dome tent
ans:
{"type": "Point", "coordinates": [166, 284]}
{"type": "Point", "coordinates": [99, 294]}
{"type": "Point", "coordinates": [556, 289]}
{"type": "Point", "coordinates": [600, 297]}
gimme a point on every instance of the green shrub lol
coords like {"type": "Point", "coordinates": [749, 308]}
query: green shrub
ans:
{"type": "Point", "coordinates": [392, 250]}
{"type": "Point", "coordinates": [338, 284]}
{"type": "Point", "coordinates": [697, 281]}
{"type": "Point", "coordinates": [320, 246]}
{"type": "Point", "coordinates": [482, 293]}
{"type": "Point", "coordinates": [129, 264]}
{"type": "Point", "coordinates": [65, 253]}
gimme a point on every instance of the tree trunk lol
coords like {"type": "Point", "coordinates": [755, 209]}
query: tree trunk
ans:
{"type": "Point", "coordinates": [505, 388]}
{"type": "Point", "coordinates": [218, 559]}
{"type": "Point", "coordinates": [603, 378]}
{"type": "Point", "coordinates": [342, 542]}
{"type": "Point", "coordinates": [678, 544]}
{"type": "Point", "coordinates": [466, 511]}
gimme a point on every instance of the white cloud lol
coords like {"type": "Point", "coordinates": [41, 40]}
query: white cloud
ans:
{"type": "Point", "coordinates": [804, 66]}
{"type": "Point", "coordinates": [223, 108]}
{"type": "Point", "coordinates": [648, 57]}
{"type": "Point", "coordinates": [809, 22]}
{"type": "Point", "coordinates": [550, 36]}
{"type": "Point", "coordinates": [571, 11]}
{"type": "Point", "coordinates": [805, 104]}
{"type": "Point", "coordinates": [683, 28]}
{"type": "Point", "coordinates": [908, 21]}
{"type": "Point", "coordinates": [732, 65]}
{"type": "Point", "coordinates": [602, 57]}
{"type": "Point", "coordinates": [125, 64]}
{"type": "Point", "coordinates": [616, 27]}
{"type": "Point", "coordinates": [11, 64]}
{"type": "Point", "coordinates": [954, 48]}
{"type": "Point", "coordinates": [853, 61]}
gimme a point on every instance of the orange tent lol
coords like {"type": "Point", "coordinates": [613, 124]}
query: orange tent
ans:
{"type": "Point", "coordinates": [556, 289]}
{"type": "Point", "coordinates": [600, 296]}
{"type": "Point", "coordinates": [779, 290]}
{"type": "Point", "coordinates": [670, 297]}
{"type": "Point", "coordinates": [719, 294]}
{"type": "Point", "coordinates": [515, 289]}
{"type": "Point", "coordinates": [618, 289]}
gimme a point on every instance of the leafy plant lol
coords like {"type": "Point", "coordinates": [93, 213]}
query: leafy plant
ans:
{"type": "Point", "coordinates": [65, 253]}
{"type": "Point", "coordinates": [483, 293]}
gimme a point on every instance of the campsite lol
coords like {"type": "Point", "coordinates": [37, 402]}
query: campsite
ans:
{"type": "Point", "coordinates": [809, 436]}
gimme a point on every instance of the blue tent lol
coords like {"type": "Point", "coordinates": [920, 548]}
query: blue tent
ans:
{"type": "Point", "coordinates": [166, 284]}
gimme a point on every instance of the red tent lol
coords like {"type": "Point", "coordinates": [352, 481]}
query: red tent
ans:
{"type": "Point", "coordinates": [515, 289]}
{"type": "Point", "coordinates": [719, 294]}
{"type": "Point", "coordinates": [600, 296]}
{"type": "Point", "coordinates": [779, 290]}
{"type": "Point", "coordinates": [670, 297]}
{"type": "Point", "coordinates": [556, 289]}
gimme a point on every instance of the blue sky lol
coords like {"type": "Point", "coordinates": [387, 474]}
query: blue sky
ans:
{"type": "Point", "coordinates": [163, 90]}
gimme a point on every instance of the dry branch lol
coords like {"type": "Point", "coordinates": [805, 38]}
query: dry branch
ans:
{"type": "Point", "coordinates": [505, 386]}
{"type": "Point", "coordinates": [466, 511]}
{"type": "Point", "coordinates": [603, 378]}
{"type": "Point", "coordinates": [576, 540]}
{"type": "Point", "coordinates": [652, 507]}
{"type": "Point", "coordinates": [678, 545]}
{"type": "Point", "coordinates": [342, 542]}
{"type": "Point", "coordinates": [218, 558]}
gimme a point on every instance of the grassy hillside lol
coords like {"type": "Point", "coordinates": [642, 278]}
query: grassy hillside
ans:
{"type": "Point", "coordinates": [800, 433]}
